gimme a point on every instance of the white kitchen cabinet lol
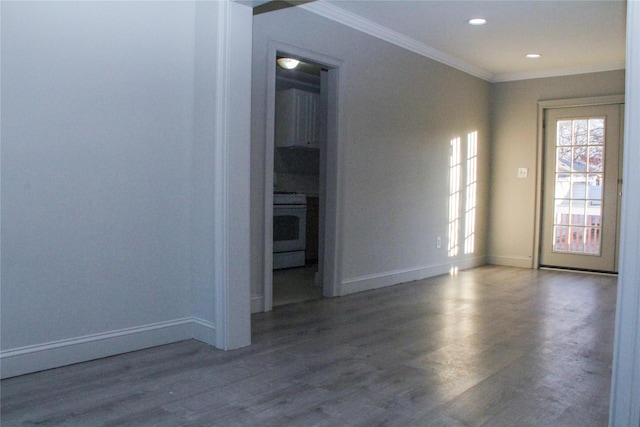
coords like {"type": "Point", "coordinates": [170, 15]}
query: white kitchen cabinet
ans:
{"type": "Point", "coordinates": [297, 119]}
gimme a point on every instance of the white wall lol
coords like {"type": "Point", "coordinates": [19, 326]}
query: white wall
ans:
{"type": "Point", "coordinates": [96, 122]}
{"type": "Point", "coordinates": [400, 113]}
{"type": "Point", "coordinates": [108, 198]}
{"type": "Point", "coordinates": [514, 127]}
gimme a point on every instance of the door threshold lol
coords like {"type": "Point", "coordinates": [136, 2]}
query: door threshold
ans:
{"type": "Point", "coordinates": [577, 270]}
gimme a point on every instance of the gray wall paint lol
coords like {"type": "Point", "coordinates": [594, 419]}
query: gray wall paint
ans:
{"type": "Point", "coordinates": [401, 112]}
{"type": "Point", "coordinates": [115, 177]}
{"type": "Point", "coordinates": [203, 160]}
{"type": "Point", "coordinates": [514, 127]}
{"type": "Point", "coordinates": [97, 122]}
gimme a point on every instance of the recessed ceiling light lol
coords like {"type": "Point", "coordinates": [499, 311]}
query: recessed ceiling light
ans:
{"type": "Point", "coordinates": [533, 55]}
{"type": "Point", "coordinates": [477, 21]}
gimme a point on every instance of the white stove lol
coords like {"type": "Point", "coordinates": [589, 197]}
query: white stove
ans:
{"type": "Point", "coordinates": [289, 199]}
{"type": "Point", "coordinates": [289, 230]}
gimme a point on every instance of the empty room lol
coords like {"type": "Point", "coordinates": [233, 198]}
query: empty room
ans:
{"type": "Point", "coordinates": [450, 179]}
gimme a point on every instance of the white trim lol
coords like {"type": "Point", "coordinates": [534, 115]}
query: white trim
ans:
{"type": "Point", "coordinates": [342, 16]}
{"type": "Point", "coordinates": [33, 358]}
{"type": "Point", "coordinates": [251, 3]}
{"type": "Point", "coordinates": [581, 102]}
{"type": "Point", "coordinates": [548, 105]}
{"type": "Point", "coordinates": [625, 387]}
{"type": "Point", "coordinates": [352, 20]}
{"type": "Point", "coordinates": [221, 187]}
{"type": "Point", "coordinates": [330, 254]}
{"type": "Point", "coordinates": [267, 288]}
{"type": "Point", "coordinates": [231, 184]}
{"type": "Point", "coordinates": [203, 330]}
{"type": "Point", "coordinates": [257, 303]}
{"type": "Point", "coordinates": [391, 278]}
{"type": "Point", "coordinates": [558, 72]}
{"type": "Point", "coordinates": [510, 261]}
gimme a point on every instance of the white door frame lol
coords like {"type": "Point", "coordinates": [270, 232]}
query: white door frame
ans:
{"type": "Point", "coordinates": [625, 385]}
{"type": "Point", "coordinates": [329, 255]}
{"type": "Point", "coordinates": [542, 107]}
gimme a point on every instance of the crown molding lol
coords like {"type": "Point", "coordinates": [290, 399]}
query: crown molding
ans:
{"type": "Point", "coordinates": [558, 72]}
{"type": "Point", "coordinates": [342, 16]}
{"type": "Point", "coordinates": [336, 14]}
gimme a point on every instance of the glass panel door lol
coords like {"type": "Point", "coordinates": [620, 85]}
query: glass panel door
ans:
{"type": "Point", "coordinates": [580, 188]}
{"type": "Point", "coordinates": [579, 177]}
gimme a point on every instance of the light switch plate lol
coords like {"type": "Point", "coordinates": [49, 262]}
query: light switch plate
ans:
{"type": "Point", "coordinates": [523, 172]}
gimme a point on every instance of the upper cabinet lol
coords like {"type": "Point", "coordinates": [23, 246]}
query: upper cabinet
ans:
{"type": "Point", "coordinates": [298, 121]}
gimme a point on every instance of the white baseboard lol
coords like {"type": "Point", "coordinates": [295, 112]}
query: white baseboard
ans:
{"type": "Point", "coordinates": [510, 261]}
{"type": "Point", "coordinates": [203, 330]}
{"type": "Point", "coordinates": [24, 360]}
{"type": "Point", "coordinates": [257, 303]}
{"type": "Point", "coordinates": [390, 278]}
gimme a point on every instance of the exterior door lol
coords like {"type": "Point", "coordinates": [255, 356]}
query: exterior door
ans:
{"type": "Point", "coordinates": [581, 188]}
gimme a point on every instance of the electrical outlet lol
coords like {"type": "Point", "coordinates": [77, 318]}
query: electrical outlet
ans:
{"type": "Point", "coordinates": [523, 172]}
{"type": "Point", "coordinates": [438, 242]}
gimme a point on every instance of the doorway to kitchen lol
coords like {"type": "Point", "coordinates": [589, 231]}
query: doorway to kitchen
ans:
{"type": "Point", "coordinates": [581, 187]}
{"type": "Point", "coordinates": [301, 177]}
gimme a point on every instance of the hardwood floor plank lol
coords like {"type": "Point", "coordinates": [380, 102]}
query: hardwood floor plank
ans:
{"type": "Point", "coordinates": [491, 346]}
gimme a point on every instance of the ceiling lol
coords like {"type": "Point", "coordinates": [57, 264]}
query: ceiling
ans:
{"type": "Point", "coordinates": [573, 36]}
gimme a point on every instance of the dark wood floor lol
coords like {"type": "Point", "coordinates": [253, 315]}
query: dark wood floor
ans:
{"type": "Point", "coordinates": [492, 346]}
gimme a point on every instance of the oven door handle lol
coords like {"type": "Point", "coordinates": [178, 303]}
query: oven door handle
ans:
{"type": "Point", "coordinates": [290, 207]}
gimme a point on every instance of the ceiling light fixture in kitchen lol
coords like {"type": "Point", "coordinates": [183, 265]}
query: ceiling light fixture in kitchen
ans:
{"type": "Point", "coordinates": [288, 63]}
{"type": "Point", "coordinates": [533, 55]}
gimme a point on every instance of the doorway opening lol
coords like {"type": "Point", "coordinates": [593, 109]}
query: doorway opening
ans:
{"type": "Point", "coordinates": [301, 178]}
{"type": "Point", "coordinates": [580, 185]}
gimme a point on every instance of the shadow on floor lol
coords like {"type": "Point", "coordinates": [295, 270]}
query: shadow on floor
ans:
{"type": "Point", "coordinates": [291, 285]}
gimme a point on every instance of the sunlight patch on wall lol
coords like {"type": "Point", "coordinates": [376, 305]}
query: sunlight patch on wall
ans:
{"type": "Point", "coordinates": [455, 171]}
{"type": "Point", "coordinates": [470, 206]}
{"type": "Point", "coordinates": [458, 167]}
